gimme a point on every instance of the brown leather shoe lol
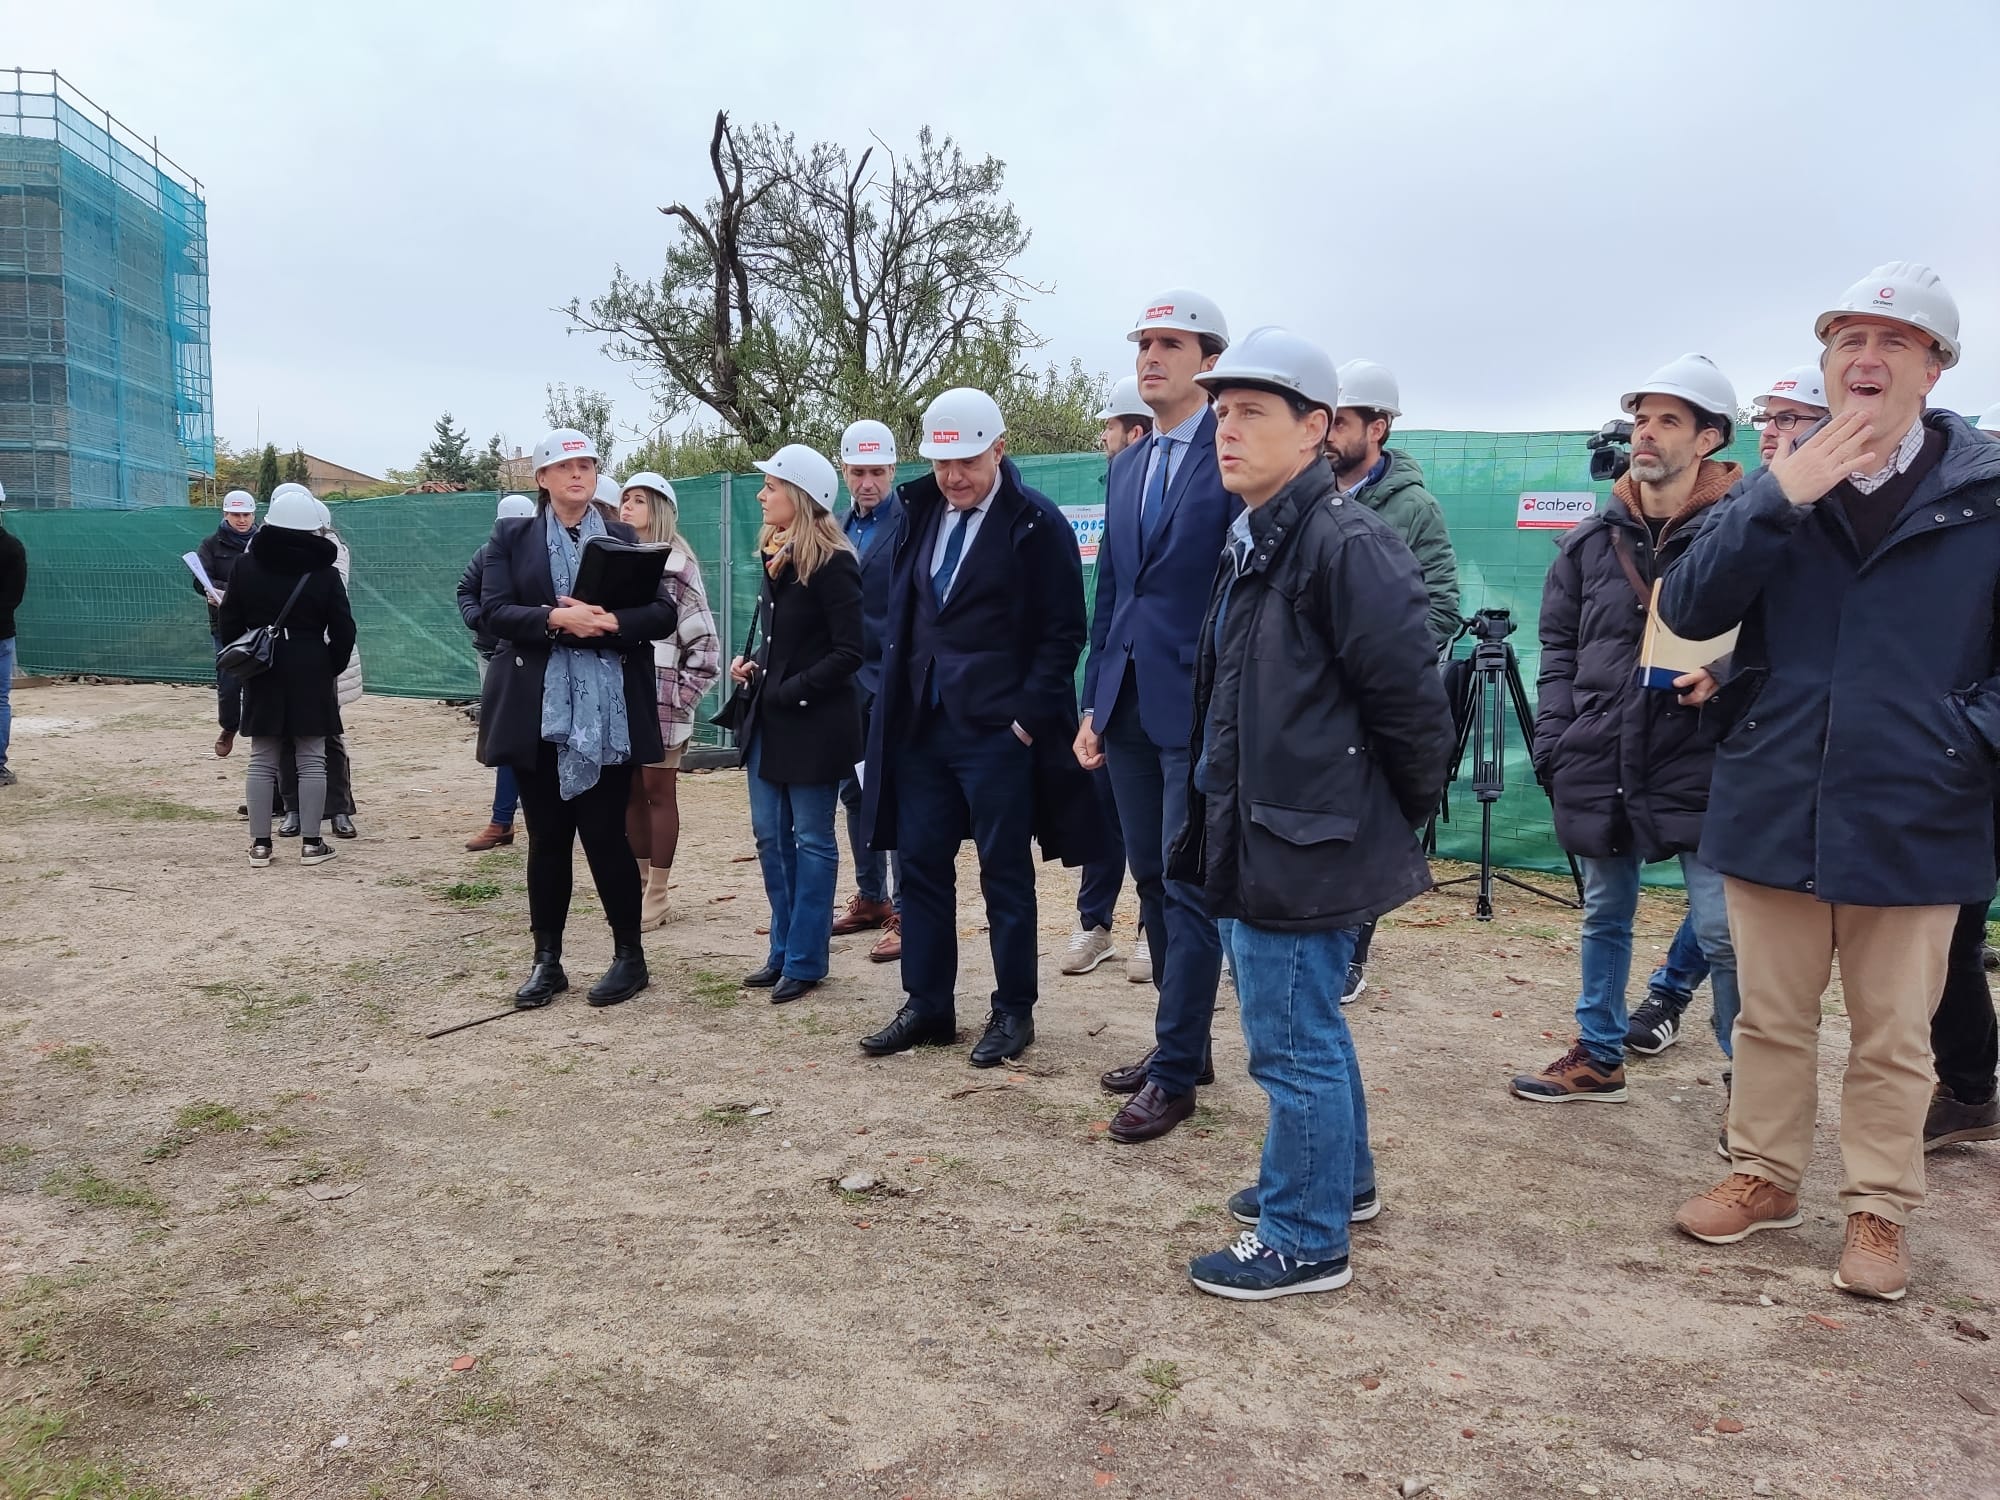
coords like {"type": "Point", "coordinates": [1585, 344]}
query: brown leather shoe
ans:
{"type": "Point", "coordinates": [225, 742]}
{"type": "Point", "coordinates": [862, 916]}
{"type": "Point", "coordinates": [888, 947]}
{"type": "Point", "coordinates": [1875, 1260]}
{"type": "Point", "coordinates": [1132, 1078]}
{"type": "Point", "coordinates": [1150, 1115]}
{"type": "Point", "coordinates": [490, 837]}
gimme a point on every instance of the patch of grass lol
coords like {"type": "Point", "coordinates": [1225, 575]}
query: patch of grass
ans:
{"type": "Point", "coordinates": [716, 991]}
{"type": "Point", "coordinates": [726, 1115]}
{"type": "Point", "coordinates": [77, 1058]}
{"type": "Point", "coordinates": [812, 1025]}
{"type": "Point", "coordinates": [279, 1135]}
{"type": "Point", "coordinates": [398, 881]}
{"type": "Point", "coordinates": [1069, 1223]}
{"type": "Point", "coordinates": [471, 892]}
{"type": "Point", "coordinates": [484, 1411]}
{"type": "Point", "coordinates": [206, 1114]}
{"type": "Point", "coordinates": [501, 1113]}
{"type": "Point", "coordinates": [33, 1349]}
{"type": "Point", "coordinates": [313, 1168]}
{"type": "Point", "coordinates": [84, 1185]}
{"type": "Point", "coordinates": [14, 1155]}
{"type": "Point", "coordinates": [144, 809]}
{"type": "Point", "coordinates": [29, 1471]}
{"type": "Point", "coordinates": [499, 862]}
{"type": "Point", "coordinates": [1164, 1376]}
{"type": "Point", "coordinates": [253, 1007]}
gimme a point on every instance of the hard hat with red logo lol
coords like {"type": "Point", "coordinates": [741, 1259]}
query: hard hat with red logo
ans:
{"type": "Point", "coordinates": [1365, 383]}
{"type": "Point", "coordinates": [1903, 291]}
{"type": "Point", "coordinates": [1276, 359]}
{"type": "Point", "coordinates": [797, 464]}
{"type": "Point", "coordinates": [1803, 384]}
{"type": "Point", "coordinates": [1180, 308]}
{"type": "Point", "coordinates": [961, 423]}
{"type": "Point", "coordinates": [1125, 401]}
{"type": "Point", "coordinates": [1695, 379]}
{"type": "Point", "coordinates": [563, 444]}
{"type": "Point", "coordinates": [868, 443]}
{"type": "Point", "coordinates": [239, 503]}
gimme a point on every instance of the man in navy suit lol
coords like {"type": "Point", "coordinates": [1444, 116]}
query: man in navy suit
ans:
{"type": "Point", "coordinates": [974, 719]}
{"type": "Point", "coordinates": [868, 464]}
{"type": "Point", "coordinates": [1166, 516]}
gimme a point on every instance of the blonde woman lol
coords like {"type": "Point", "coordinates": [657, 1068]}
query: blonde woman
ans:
{"type": "Point", "coordinates": [685, 666]}
{"type": "Point", "coordinates": [802, 733]}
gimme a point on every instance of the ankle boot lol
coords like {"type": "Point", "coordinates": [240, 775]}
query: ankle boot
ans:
{"type": "Point", "coordinates": [627, 974]}
{"type": "Point", "coordinates": [654, 912]}
{"type": "Point", "coordinates": [546, 979]}
{"type": "Point", "coordinates": [492, 836]}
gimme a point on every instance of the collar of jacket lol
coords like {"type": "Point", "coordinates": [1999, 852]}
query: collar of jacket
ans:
{"type": "Point", "coordinates": [285, 551]}
{"type": "Point", "coordinates": [921, 496]}
{"type": "Point", "coordinates": [1403, 472]}
{"type": "Point", "coordinates": [1712, 481]}
{"type": "Point", "coordinates": [1283, 514]}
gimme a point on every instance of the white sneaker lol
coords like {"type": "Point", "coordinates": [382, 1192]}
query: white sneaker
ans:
{"type": "Point", "coordinates": [1139, 967]}
{"type": "Point", "coordinates": [1088, 947]}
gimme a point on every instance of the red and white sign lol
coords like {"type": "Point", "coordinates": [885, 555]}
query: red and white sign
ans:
{"type": "Point", "coordinates": [1164, 310]}
{"type": "Point", "coordinates": [867, 447]}
{"type": "Point", "coordinates": [1555, 510]}
{"type": "Point", "coordinates": [574, 445]}
{"type": "Point", "coordinates": [944, 435]}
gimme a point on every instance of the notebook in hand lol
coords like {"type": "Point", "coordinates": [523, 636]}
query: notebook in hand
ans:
{"type": "Point", "coordinates": [617, 575]}
{"type": "Point", "coordinates": [1663, 656]}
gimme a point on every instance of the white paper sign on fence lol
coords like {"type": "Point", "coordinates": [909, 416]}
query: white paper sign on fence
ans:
{"type": "Point", "coordinates": [1087, 521]}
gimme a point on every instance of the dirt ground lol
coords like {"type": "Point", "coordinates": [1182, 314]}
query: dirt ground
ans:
{"type": "Point", "coordinates": [259, 1238]}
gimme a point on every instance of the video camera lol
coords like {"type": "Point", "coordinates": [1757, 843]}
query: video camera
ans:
{"type": "Point", "coordinates": [1608, 458]}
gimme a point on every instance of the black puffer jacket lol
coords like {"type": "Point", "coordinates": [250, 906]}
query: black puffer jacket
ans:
{"type": "Point", "coordinates": [484, 641]}
{"type": "Point", "coordinates": [1627, 765]}
{"type": "Point", "coordinates": [218, 552]}
{"type": "Point", "coordinates": [1323, 721]}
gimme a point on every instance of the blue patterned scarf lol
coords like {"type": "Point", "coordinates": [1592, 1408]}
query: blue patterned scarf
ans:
{"type": "Point", "coordinates": [583, 691]}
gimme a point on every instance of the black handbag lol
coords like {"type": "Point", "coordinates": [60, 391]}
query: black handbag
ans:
{"type": "Point", "coordinates": [736, 709]}
{"type": "Point", "coordinates": [250, 654]}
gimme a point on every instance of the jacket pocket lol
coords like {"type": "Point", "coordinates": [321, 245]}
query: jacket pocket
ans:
{"type": "Point", "coordinates": [1304, 826]}
{"type": "Point", "coordinates": [1732, 703]}
{"type": "Point", "coordinates": [1978, 715]}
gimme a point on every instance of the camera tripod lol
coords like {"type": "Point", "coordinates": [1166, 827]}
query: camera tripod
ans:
{"type": "Point", "coordinates": [1481, 716]}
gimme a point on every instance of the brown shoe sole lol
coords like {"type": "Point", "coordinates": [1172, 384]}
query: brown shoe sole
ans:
{"type": "Point", "coordinates": [1963, 1137]}
{"type": "Point", "coordinates": [1791, 1221]}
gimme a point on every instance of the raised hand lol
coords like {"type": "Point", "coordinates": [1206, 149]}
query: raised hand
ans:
{"type": "Point", "coordinates": [1843, 447]}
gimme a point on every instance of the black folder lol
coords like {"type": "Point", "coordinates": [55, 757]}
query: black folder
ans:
{"type": "Point", "coordinates": [617, 575]}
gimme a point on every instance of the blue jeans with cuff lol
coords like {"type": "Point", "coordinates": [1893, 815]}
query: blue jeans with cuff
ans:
{"type": "Point", "coordinates": [793, 823]}
{"type": "Point", "coordinates": [1610, 902]}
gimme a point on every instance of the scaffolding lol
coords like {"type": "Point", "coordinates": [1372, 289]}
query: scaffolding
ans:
{"type": "Point", "coordinates": [106, 397]}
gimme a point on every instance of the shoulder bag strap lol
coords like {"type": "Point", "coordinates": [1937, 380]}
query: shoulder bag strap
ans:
{"type": "Point", "coordinates": [1622, 545]}
{"type": "Point", "coordinates": [279, 623]}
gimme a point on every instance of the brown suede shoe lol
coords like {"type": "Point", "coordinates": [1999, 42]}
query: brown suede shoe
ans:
{"type": "Point", "coordinates": [1150, 1114]}
{"type": "Point", "coordinates": [490, 837]}
{"type": "Point", "coordinates": [1875, 1260]}
{"type": "Point", "coordinates": [888, 947]}
{"type": "Point", "coordinates": [1736, 1208]}
{"type": "Point", "coordinates": [1573, 1076]}
{"type": "Point", "coordinates": [862, 916]}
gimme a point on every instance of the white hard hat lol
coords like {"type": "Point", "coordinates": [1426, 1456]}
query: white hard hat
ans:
{"type": "Point", "coordinates": [1989, 421]}
{"type": "Point", "coordinates": [810, 471]}
{"type": "Point", "coordinates": [239, 503]}
{"type": "Point", "coordinates": [1903, 291]}
{"type": "Point", "coordinates": [515, 506]}
{"type": "Point", "coordinates": [608, 491]}
{"type": "Point", "coordinates": [1365, 383]}
{"type": "Point", "coordinates": [961, 423]}
{"type": "Point", "coordinates": [1180, 308]}
{"type": "Point", "coordinates": [1277, 359]}
{"type": "Point", "coordinates": [1125, 401]}
{"type": "Point", "coordinates": [563, 443]}
{"type": "Point", "coordinates": [646, 479]}
{"type": "Point", "coordinates": [1695, 379]}
{"type": "Point", "coordinates": [293, 509]}
{"type": "Point", "coordinates": [868, 442]}
{"type": "Point", "coordinates": [1803, 383]}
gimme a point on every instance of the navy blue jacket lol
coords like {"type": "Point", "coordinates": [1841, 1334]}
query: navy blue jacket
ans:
{"type": "Point", "coordinates": [1861, 720]}
{"type": "Point", "coordinates": [1150, 602]}
{"type": "Point", "coordinates": [1014, 660]}
{"type": "Point", "coordinates": [877, 560]}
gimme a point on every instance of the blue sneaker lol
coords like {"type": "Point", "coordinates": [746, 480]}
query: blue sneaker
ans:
{"type": "Point", "coordinates": [1243, 1206]}
{"type": "Point", "coordinates": [1251, 1271]}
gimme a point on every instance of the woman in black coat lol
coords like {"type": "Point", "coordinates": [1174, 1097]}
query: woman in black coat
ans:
{"type": "Point", "coordinates": [802, 734]}
{"type": "Point", "coordinates": [569, 703]}
{"type": "Point", "coordinates": [297, 698]}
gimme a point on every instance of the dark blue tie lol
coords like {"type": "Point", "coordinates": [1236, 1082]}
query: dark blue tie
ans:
{"type": "Point", "coordinates": [954, 548]}
{"type": "Point", "coordinates": [1155, 499]}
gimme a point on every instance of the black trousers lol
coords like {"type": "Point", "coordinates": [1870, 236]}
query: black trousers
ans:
{"type": "Point", "coordinates": [1965, 1040]}
{"type": "Point", "coordinates": [339, 777]}
{"type": "Point", "coordinates": [597, 817]}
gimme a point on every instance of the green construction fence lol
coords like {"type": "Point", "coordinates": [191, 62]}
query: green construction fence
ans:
{"type": "Point", "coordinates": [109, 596]}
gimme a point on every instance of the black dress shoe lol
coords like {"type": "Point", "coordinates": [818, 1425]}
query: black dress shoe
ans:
{"type": "Point", "coordinates": [911, 1028]}
{"type": "Point", "coordinates": [626, 976]}
{"type": "Point", "coordinates": [546, 979]}
{"type": "Point", "coordinates": [1129, 1080]}
{"type": "Point", "coordinates": [763, 979]}
{"type": "Point", "coordinates": [1007, 1036]}
{"type": "Point", "coordinates": [343, 827]}
{"type": "Point", "coordinates": [289, 829]}
{"type": "Point", "coordinates": [1151, 1113]}
{"type": "Point", "coordinates": [791, 989]}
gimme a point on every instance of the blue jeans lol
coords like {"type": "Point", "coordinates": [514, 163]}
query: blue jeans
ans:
{"type": "Point", "coordinates": [793, 822]}
{"type": "Point", "coordinates": [228, 695]}
{"type": "Point", "coordinates": [1685, 966]}
{"type": "Point", "coordinates": [1316, 1156]}
{"type": "Point", "coordinates": [506, 796]}
{"type": "Point", "coordinates": [1097, 892]}
{"type": "Point", "coordinates": [871, 865]}
{"type": "Point", "coordinates": [1610, 901]}
{"type": "Point", "coordinates": [8, 649]}
{"type": "Point", "coordinates": [1151, 787]}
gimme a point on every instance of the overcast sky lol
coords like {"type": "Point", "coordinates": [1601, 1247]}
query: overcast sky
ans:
{"type": "Point", "coordinates": [1519, 208]}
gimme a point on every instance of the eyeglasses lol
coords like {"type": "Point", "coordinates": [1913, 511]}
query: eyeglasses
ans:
{"type": "Point", "coordinates": [1784, 421]}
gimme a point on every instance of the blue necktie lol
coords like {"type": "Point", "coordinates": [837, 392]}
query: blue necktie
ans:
{"type": "Point", "coordinates": [1154, 500]}
{"type": "Point", "coordinates": [954, 547]}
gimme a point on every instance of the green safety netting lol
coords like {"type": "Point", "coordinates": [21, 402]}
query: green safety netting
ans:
{"type": "Point", "coordinates": [108, 594]}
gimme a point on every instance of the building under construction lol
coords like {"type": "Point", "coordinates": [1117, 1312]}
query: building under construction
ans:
{"type": "Point", "coordinates": [105, 394]}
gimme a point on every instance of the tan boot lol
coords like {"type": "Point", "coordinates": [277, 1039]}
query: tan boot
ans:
{"type": "Point", "coordinates": [654, 912]}
{"type": "Point", "coordinates": [492, 836]}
